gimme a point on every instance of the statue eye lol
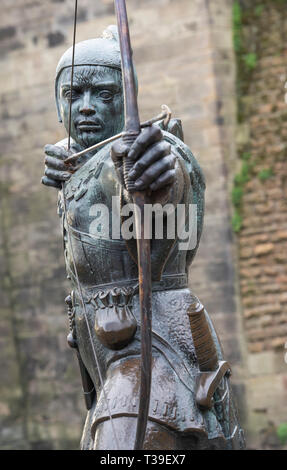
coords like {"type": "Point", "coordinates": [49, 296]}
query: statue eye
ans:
{"type": "Point", "coordinates": [68, 95]}
{"type": "Point", "coordinates": [106, 95]}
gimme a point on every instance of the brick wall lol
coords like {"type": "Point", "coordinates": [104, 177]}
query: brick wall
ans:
{"type": "Point", "coordinates": [178, 48]}
{"type": "Point", "coordinates": [261, 202]}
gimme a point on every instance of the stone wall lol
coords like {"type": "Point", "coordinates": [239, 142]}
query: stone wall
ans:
{"type": "Point", "coordinates": [260, 199]}
{"type": "Point", "coordinates": [183, 53]}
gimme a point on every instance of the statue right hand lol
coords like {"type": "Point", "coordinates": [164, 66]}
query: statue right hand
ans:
{"type": "Point", "coordinates": [56, 170]}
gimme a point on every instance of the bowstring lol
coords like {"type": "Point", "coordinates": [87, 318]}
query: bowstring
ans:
{"type": "Point", "coordinates": [71, 245]}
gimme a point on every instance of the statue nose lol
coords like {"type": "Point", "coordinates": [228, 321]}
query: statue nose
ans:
{"type": "Point", "coordinates": [87, 108]}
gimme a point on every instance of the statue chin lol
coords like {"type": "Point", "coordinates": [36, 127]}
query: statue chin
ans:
{"type": "Point", "coordinates": [88, 138]}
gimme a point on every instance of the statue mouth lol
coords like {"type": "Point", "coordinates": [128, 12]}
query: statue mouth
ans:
{"type": "Point", "coordinates": [89, 126]}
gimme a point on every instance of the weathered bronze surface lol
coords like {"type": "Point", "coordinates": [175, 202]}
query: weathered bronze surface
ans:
{"type": "Point", "coordinates": [191, 405]}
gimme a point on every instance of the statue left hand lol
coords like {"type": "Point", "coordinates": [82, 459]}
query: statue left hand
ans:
{"type": "Point", "coordinates": [154, 166]}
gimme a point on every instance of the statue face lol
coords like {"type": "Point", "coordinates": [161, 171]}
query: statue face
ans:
{"type": "Point", "coordinates": [97, 103]}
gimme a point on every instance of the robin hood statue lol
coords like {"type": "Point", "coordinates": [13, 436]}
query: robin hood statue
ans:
{"type": "Point", "coordinates": [188, 399]}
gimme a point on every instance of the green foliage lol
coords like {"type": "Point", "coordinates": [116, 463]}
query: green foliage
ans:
{"type": "Point", "coordinates": [246, 156]}
{"type": "Point", "coordinates": [237, 23]}
{"type": "Point", "coordinates": [238, 190]}
{"type": "Point", "coordinates": [236, 42]}
{"type": "Point", "coordinates": [236, 195]}
{"type": "Point", "coordinates": [282, 433]}
{"type": "Point", "coordinates": [265, 174]}
{"type": "Point", "coordinates": [250, 60]}
{"type": "Point", "coordinates": [248, 48]}
{"type": "Point", "coordinates": [244, 175]}
{"type": "Point", "coordinates": [258, 10]}
{"type": "Point", "coordinates": [236, 13]}
{"type": "Point", "coordinates": [236, 222]}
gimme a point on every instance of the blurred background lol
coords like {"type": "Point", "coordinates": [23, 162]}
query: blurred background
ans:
{"type": "Point", "coordinates": [221, 66]}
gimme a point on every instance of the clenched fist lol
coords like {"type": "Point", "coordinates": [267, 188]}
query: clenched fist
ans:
{"type": "Point", "coordinates": [154, 164]}
{"type": "Point", "coordinates": [56, 170]}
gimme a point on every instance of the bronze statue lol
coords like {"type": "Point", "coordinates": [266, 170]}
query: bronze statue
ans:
{"type": "Point", "coordinates": [184, 401]}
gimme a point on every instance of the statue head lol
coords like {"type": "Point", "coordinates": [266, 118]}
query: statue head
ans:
{"type": "Point", "coordinates": [97, 96]}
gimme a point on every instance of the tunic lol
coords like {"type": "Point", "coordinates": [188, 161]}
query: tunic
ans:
{"type": "Point", "coordinates": [107, 271]}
